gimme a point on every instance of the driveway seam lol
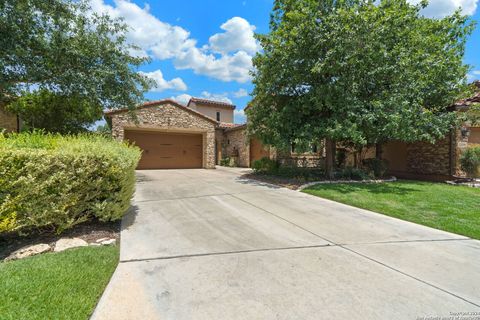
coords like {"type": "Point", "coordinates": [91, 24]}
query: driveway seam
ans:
{"type": "Point", "coordinates": [410, 276]}
{"type": "Point", "coordinates": [194, 197]}
{"type": "Point", "coordinates": [366, 257]}
{"type": "Point", "coordinates": [227, 253]}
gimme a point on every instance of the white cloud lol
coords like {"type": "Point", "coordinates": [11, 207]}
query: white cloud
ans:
{"type": "Point", "coordinates": [182, 98]}
{"type": "Point", "coordinates": [162, 84]}
{"type": "Point", "coordinates": [239, 116]}
{"type": "Point", "coordinates": [146, 31]}
{"type": "Point", "coordinates": [240, 93]}
{"type": "Point", "coordinates": [238, 35]}
{"type": "Point", "coordinates": [474, 75]}
{"type": "Point", "coordinates": [227, 56]}
{"type": "Point", "coordinates": [222, 97]}
{"type": "Point", "coordinates": [227, 68]}
{"type": "Point", "coordinates": [442, 8]}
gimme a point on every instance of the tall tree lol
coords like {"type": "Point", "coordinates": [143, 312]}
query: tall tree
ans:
{"type": "Point", "coordinates": [62, 47]}
{"type": "Point", "coordinates": [357, 71]}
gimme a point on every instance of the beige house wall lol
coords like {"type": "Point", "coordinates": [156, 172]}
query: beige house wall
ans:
{"type": "Point", "coordinates": [226, 113]}
{"type": "Point", "coordinates": [167, 118]}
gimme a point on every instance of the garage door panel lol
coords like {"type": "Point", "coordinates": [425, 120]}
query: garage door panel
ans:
{"type": "Point", "coordinates": [167, 150]}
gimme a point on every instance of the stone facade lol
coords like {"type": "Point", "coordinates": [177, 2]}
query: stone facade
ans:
{"type": "Point", "coordinates": [429, 159]}
{"type": "Point", "coordinates": [167, 116]}
{"type": "Point", "coordinates": [236, 144]}
{"type": "Point", "coordinates": [8, 121]}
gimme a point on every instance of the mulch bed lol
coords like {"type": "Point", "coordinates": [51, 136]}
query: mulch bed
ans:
{"type": "Point", "coordinates": [89, 231]}
{"type": "Point", "coordinates": [290, 183]}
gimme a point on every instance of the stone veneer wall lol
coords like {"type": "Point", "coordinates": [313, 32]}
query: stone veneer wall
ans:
{"type": "Point", "coordinates": [169, 118]}
{"type": "Point", "coordinates": [8, 121]}
{"type": "Point", "coordinates": [427, 158]}
{"type": "Point", "coordinates": [236, 140]}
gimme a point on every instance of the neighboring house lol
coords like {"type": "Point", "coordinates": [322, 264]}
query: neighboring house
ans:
{"type": "Point", "coordinates": [173, 136]}
{"type": "Point", "coordinates": [8, 121]}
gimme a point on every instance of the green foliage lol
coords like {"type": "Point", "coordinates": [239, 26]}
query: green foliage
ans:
{"type": "Point", "coordinates": [225, 162]}
{"type": "Point", "coordinates": [351, 173]}
{"type": "Point", "coordinates": [62, 46]}
{"type": "Point", "coordinates": [65, 285]}
{"type": "Point", "coordinates": [376, 167]}
{"type": "Point", "coordinates": [56, 112]}
{"type": "Point", "coordinates": [356, 71]}
{"type": "Point", "coordinates": [265, 165]}
{"type": "Point", "coordinates": [53, 181]}
{"type": "Point", "coordinates": [470, 162]}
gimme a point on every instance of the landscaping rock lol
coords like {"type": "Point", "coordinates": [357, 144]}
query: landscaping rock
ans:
{"type": "Point", "coordinates": [101, 240]}
{"type": "Point", "coordinates": [68, 243]}
{"type": "Point", "coordinates": [29, 251]}
{"type": "Point", "coordinates": [108, 242]}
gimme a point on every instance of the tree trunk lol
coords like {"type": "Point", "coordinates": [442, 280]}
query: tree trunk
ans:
{"type": "Point", "coordinates": [378, 151]}
{"type": "Point", "coordinates": [330, 149]}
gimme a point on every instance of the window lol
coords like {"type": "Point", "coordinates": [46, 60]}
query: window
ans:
{"type": "Point", "coordinates": [218, 115]}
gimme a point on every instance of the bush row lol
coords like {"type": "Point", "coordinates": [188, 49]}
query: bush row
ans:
{"type": "Point", "coordinates": [372, 168]}
{"type": "Point", "coordinates": [53, 181]}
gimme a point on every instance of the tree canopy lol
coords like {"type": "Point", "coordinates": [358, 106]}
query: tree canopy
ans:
{"type": "Point", "coordinates": [62, 47]}
{"type": "Point", "coordinates": [358, 71]}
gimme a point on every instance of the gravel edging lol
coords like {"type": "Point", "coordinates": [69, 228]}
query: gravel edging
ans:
{"type": "Point", "coordinates": [302, 187]}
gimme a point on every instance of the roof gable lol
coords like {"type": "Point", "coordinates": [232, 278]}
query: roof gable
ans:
{"type": "Point", "coordinates": [159, 103]}
{"type": "Point", "coordinates": [206, 102]}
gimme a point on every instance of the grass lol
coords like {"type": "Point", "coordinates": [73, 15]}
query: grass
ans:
{"type": "Point", "coordinates": [64, 285]}
{"type": "Point", "coordinates": [450, 208]}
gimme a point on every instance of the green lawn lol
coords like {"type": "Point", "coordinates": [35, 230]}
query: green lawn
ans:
{"type": "Point", "coordinates": [438, 205]}
{"type": "Point", "coordinates": [64, 285]}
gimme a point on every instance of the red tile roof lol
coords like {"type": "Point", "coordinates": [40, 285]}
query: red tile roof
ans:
{"type": "Point", "coordinates": [225, 125]}
{"type": "Point", "coordinates": [211, 102]}
{"type": "Point", "coordinates": [464, 104]}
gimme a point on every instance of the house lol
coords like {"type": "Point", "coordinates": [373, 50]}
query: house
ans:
{"type": "Point", "coordinates": [174, 136]}
{"type": "Point", "coordinates": [200, 134]}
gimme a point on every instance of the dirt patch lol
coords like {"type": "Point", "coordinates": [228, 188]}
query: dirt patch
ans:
{"type": "Point", "coordinates": [89, 231]}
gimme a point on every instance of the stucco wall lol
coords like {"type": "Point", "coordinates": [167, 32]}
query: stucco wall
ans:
{"type": "Point", "coordinates": [168, 118]}
{"type": "Point", "coordinates": [236, 140]}
{"type": "Point", "coordinates": [8, 121]}
{"type": "Point", "coordinates": [226, 113]}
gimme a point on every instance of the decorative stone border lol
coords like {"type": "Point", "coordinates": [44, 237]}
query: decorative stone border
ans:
{"type": "Point", "coordinates": [472, 184]}
{"type": "Point", "coordinates": [392, 179]}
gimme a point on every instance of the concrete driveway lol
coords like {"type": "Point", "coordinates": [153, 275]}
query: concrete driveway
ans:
{"type": "Point", "coordinates": [208, 244]}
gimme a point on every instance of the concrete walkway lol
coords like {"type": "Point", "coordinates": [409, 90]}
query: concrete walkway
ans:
{"type": "Point", "coordinates": [208, 244]}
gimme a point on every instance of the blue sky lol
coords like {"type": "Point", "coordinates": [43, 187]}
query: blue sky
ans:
{"type": "Point", "coordinates": [204, 48]}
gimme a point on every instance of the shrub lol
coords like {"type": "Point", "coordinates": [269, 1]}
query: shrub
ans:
{"type": "Point", "coordinates": [376, 167]}
{"type": "Point", "coordinates": [225, 162]}
{"type": "Point", "coordinates": [351, 173]}
{"type": "Point", "coordinates": [470, 162]}
{"type": "Point", "coordinates": [265, 165]}
{"type": "Point", "coordinates": [54, 181]}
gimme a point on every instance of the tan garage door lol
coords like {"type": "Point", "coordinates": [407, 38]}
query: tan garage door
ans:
{"type": "Point", "coordinates": [167, 150]}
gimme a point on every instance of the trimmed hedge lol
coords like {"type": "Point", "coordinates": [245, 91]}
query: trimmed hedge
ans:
{"type": "Point", "coordinates": [54, 181]}
{"type": "Point", "coordinates": [470, 162]}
